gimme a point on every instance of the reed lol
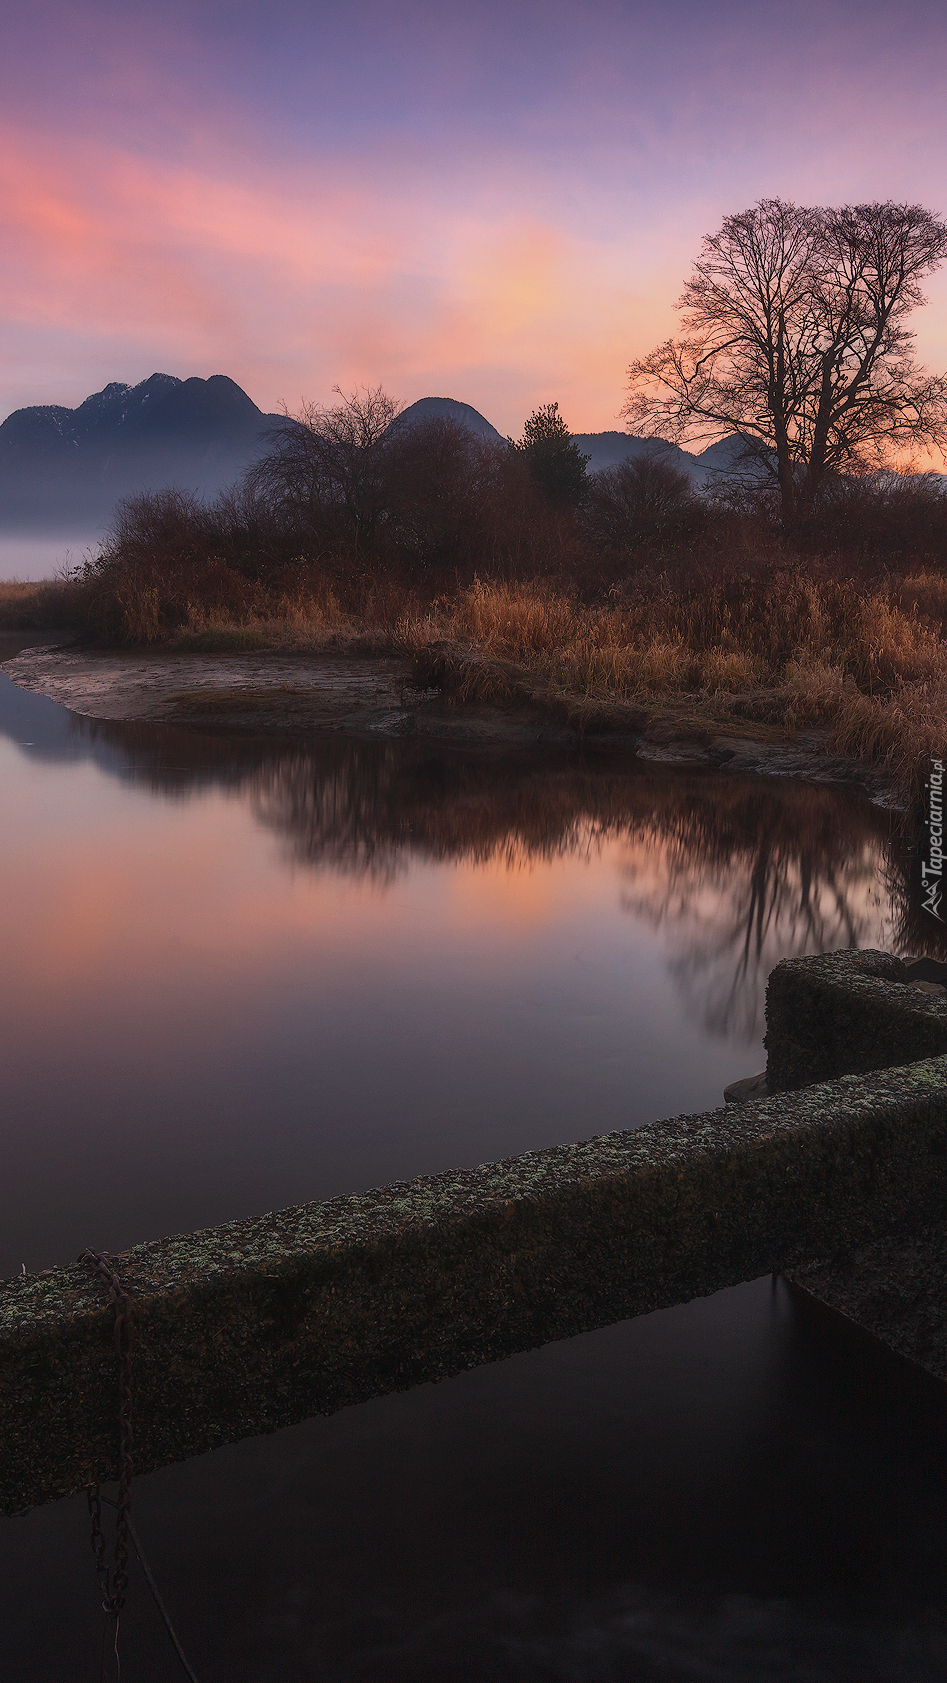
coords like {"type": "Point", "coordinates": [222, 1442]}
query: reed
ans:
{"type": "Point", "coordinates": [870, 669]}
{"type": "Point", "coordinates": [46, 604]}
{"type": "Point", "coordinates": [774, 639]}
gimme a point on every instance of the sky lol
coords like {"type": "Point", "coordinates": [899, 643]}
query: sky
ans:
{"type": "Point", "coordinates": [496, 202]}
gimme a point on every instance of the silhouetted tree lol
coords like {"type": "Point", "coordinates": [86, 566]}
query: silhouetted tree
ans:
{"type": "Point", "coordinates": [642, 498]}
{"type": "Point", "coordinates": [554, 459]}
{"type": "Point", "coordinates": [325, 470]}
{"type": "Point", "coordinates": [795, 338]}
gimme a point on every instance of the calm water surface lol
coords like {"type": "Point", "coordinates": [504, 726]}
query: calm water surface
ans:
{"type": "Point", "coordinates": [237, 975]}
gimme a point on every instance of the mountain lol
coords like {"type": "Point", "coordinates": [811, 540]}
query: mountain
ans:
{"type": "Point", "coordinates": [61, 465]}
{"type": "Point", "coordinates": [604, 449]}
{"type": "Point", "coordinates": [65, 469]}
{"type": "Point", "coordinates": [449, 409]}
{"type": "Point", "coordinates": [608, 449]}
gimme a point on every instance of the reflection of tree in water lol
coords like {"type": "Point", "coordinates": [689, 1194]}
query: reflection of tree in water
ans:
{"type": "Point", "coordinates": [737, 873]}
{"type": "Point", "coordinates": [338, 818]}
{"type": "Point", "coordinates": [369, 809]}
{"type": "Point", "coordinates": [742, 874]}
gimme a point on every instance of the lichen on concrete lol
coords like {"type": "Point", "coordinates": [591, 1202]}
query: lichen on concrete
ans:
{"type": "Point", "coordinates": [846, 1012]}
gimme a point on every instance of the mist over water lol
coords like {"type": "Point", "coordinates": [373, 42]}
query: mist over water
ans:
{"type": "Point", "coordinates": [39, 555]}
{"type": "Point", "coordinates": [240, 974]}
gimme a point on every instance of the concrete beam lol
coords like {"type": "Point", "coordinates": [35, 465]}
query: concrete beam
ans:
{"type": "Point", "coordinates": [256, 1324]}
{"type": "Point", "coordinates": [845, 1013]}
{"type": "Point", "coordinates": [894, 1288]}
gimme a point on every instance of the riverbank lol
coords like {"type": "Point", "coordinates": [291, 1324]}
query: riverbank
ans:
{"type": "Point", "coordinates": [443, 693]}
{"type": "Point", "coordinates": [799, 675]}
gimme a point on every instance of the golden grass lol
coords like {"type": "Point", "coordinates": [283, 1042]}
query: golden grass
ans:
{"type": "Point", "coordinates": [869, 668]}
{"type": "Point", "coordinates": [660, 642]}
{"type": "Point", "coordinates": [17, 590]}
{"type": "Point", "coordinates": [35, 605]}
{"type": "Point", "coordinates": [301, 621]}
{"type": "Point", "coordinates": [778, 647]}
{"type": "Point", "coordinates": [925, 593]}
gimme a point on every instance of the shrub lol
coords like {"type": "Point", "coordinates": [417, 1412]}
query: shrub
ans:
{"type": "Point", "coordinates": [639, 500]}
{"type": "Point", "coordinates": [879, 519]}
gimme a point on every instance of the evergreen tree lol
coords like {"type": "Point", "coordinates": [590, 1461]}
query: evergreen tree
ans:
{"type": "Point", "coordinates": [553, 457]}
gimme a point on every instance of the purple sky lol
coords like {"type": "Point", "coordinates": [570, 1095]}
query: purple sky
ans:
{"type": "Point", "coordinates": [495, 202]}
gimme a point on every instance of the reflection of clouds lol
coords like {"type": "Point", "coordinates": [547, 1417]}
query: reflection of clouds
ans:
{"type": "Point", "coordinates": [736, 873]}
{"type": "Point", "coordinates": [728, 920]}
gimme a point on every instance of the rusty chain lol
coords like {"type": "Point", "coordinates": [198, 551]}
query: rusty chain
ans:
{"type": "Point", "coordinates": [113, 1580]}
{"type": "Point", "coordinates": [113, 1583]}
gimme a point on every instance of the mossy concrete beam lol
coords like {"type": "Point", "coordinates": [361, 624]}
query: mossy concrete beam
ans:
{"type": "Point", "coordinates": [256, 1324]}
{"type": "Point", "coordinates": [845, 1013]}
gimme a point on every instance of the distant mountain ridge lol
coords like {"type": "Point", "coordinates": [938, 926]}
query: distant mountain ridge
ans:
{"type": "Point", "coordinates": [604, 449]}
{"type": "Point", "coordinates": [609, 449]}
{"type": "Point", "coordinates": [63, 467]}
{"type": "Point", "coordinates": [449, 409]}
{"type": "Point", "coordinates": [59, 465]}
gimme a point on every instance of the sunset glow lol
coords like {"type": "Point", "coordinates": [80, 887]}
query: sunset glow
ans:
{"type": "Point", "coordinates": [499, 207]}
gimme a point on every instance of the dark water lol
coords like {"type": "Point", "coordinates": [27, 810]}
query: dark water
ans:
{"type": "Point", "coordinates": [237, 975]}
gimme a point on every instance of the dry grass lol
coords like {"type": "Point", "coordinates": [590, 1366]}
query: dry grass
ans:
{"type": "Point", "coordinates": [297, 620]}
{"type": "Point", "coordinates": [902, 733]}
{"type": "Point", "coordinates": [27, 605]}
{"type": "Point", "coordinates": [780, 645]}
{"type": "Point", "coordinates": [868, 668]}
{"type": "Point", "coordinates": [15, 591]}
{"type": "Point", "coordinates": [774, 632]}
{"type": "Point", "coordinates": [924, 593]}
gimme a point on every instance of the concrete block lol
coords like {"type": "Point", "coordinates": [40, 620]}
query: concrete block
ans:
{"type": "Point", "coordinates": [846, 1013]}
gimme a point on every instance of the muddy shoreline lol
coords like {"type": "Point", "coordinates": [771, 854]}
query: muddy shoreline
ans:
{"type": "Point", "coordinates": [292, 694]}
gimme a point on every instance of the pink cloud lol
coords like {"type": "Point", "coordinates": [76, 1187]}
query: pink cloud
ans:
{"type": "Point", "coordinates": [401, 201]}
{"type": "Point", "coordinates": [292, 279]}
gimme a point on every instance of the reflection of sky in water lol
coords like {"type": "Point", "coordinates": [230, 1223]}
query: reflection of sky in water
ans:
{"type": "Point", "coordinates": [241, 976]}
{"type": "Point", "coordinates": [237, 976]}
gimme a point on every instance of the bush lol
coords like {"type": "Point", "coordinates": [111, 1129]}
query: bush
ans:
{"type": "Point", "coordinates": [640, 500]}
{"type": "Point", "coordinates": [880, 519]}
{"type": "Point", "coordinates": [160, 568]}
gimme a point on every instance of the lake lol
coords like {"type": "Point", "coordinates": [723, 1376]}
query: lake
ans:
{"type": "Point", "coordinates": [240, 974]}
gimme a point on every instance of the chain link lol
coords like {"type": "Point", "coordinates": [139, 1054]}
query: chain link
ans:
{"type": "Point", "coordinates": [113, 1580]}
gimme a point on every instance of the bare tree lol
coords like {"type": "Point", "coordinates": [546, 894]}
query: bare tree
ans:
{"type": "Point", "coordinates": [643, 497]}
{"type": "Point", "coordinates": [325, 470]}
{"type": "Point", "coordinates": [794, 336]}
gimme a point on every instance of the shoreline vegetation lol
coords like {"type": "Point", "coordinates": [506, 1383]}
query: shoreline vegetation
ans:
{"type": "Point", "coordinates": [509, 577]}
